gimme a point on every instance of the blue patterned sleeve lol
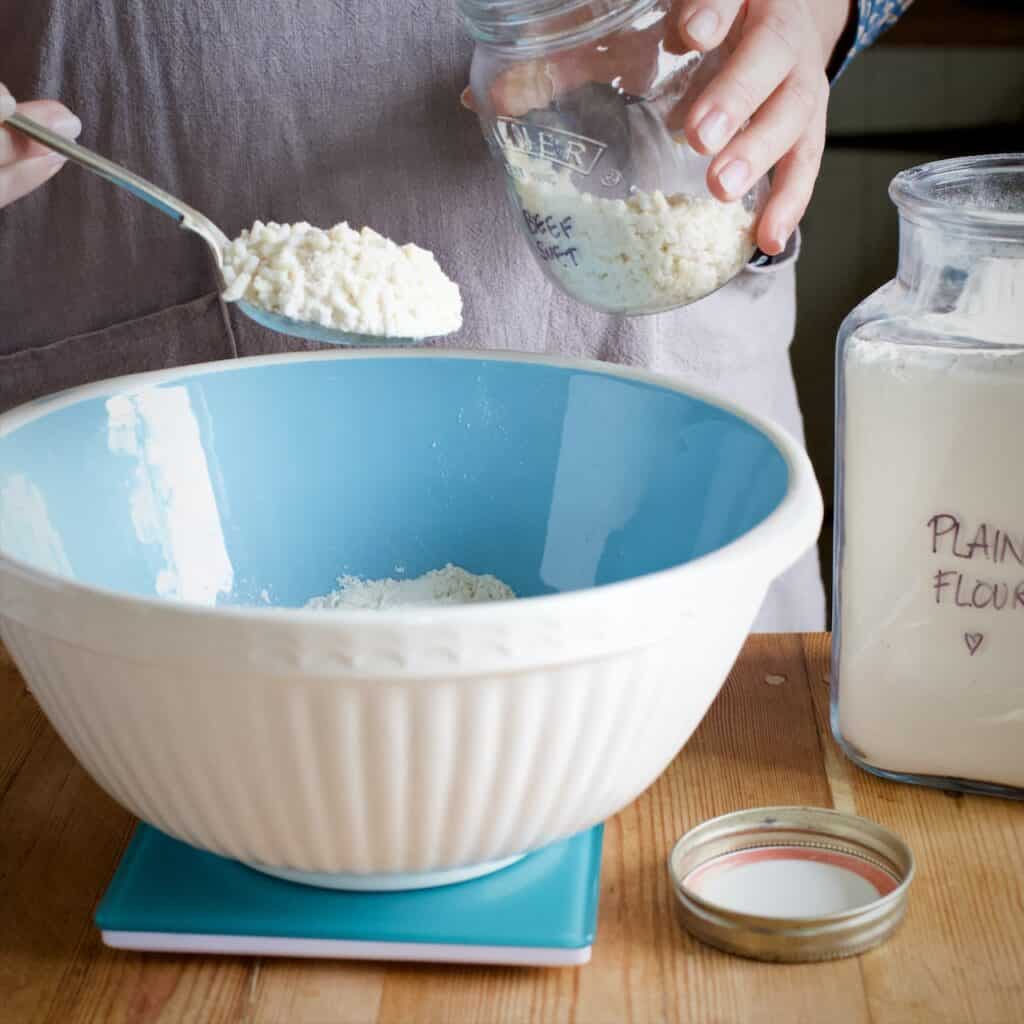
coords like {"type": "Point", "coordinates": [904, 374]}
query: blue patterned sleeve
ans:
{"type": "Point", "coordinates": [874, 18]}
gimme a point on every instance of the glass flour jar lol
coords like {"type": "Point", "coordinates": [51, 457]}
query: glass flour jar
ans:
{"type": "Point", "coordinates": [582, 102]}
{"type": "Point", "coordinates": [928, 660]}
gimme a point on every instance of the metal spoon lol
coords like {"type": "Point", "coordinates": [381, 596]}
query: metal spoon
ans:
{"type": "Point", "coordinates": [192, 220]}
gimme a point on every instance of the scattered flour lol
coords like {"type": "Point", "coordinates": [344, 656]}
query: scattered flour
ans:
{"type": "Point", "coordinates": [647, 253]}
{"type": "Point", "coordinates": [356, 281]}
{"type": "Point", "coordinates": [450, 585]}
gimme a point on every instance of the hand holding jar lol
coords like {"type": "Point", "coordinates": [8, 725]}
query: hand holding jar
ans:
{"type": "Point", "coordinates": [647, 129]}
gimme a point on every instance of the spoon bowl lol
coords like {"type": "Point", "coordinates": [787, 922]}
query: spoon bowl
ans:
{"type": "Point", "coordinates": [310, 331]}
{"type": "Point", "coordinates": [199, 224]}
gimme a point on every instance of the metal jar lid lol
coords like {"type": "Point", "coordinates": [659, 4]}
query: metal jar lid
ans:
{"type": "Point", "coordinates": [791, 884]}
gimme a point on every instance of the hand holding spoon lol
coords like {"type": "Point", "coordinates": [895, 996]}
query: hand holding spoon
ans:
{"type": "Point", "coordinates": [192, 220]}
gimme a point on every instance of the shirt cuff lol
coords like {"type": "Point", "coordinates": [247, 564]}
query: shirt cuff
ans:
{"type": "Point", "coordinates": [873, 19]}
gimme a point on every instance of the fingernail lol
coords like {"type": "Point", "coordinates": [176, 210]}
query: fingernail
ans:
{"type": "Point", "coordinates": [776, 237]}
{"type": "Point", "coordinates": [67, 125]}
{"type": "Point", "coordinates": [702, 26]}
{"type": "Point", "coordinates": [7, 104]}
{"type": "Point", "coordinates": [713, 130]}
{"type": "Point", "coordinates": [734, 176]}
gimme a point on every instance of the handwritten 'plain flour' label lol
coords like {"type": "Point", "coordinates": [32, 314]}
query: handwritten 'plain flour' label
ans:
{"type": "Point", "coordinates": [954, 541]}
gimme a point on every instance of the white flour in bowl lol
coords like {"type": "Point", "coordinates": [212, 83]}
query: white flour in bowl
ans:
{"type": "Point", "coordinates": [450, 585]}
{"type": "Point", "coordinates": [357, 281]}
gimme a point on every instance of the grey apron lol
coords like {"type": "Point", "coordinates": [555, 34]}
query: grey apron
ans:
{"type": "Point", "coordinates": [323, 111]}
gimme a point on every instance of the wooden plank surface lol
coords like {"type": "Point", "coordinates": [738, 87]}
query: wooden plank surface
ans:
{"type": "Point", "coordinates": [959, 957]}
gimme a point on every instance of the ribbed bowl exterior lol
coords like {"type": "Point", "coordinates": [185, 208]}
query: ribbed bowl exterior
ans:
{"type": "Point", "coordinates": [363, 744]}
{"type": "Point", "coordinates": [377, 775]}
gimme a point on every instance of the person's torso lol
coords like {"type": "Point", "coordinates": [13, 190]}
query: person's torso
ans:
{"type": "Point", "coordinates": [328, 111]}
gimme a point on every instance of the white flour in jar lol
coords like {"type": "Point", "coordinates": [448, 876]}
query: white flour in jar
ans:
{"type": "Point", "coordinates": [932, 573]}
{"type": "Point", "coordinates": [646, 253]}
{"type": "Point", "coordinates": [450, 585]}
{"type": "Point", "coordinates": [357, 281]}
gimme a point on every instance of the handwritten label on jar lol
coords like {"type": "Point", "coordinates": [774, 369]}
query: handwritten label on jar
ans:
{"type": "Point", "coordinates": [968, 587]}
{"type": "Point", "coordinates": [552, 237]}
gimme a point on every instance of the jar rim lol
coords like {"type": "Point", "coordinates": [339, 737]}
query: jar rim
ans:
{"type": "Point", "coordinates": [952, 193]}
{"type": "Point", "coordinates": [501, 22]}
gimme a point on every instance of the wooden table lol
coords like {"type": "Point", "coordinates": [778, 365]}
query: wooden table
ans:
{"type": "Point", "coordinates": [959, 956]}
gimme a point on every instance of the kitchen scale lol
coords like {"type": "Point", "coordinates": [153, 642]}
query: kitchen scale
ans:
{"type": "Point", "coordinates": [169, 897]}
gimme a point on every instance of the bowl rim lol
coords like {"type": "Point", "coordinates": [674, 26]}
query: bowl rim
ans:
{"type": "Point", "coordinates": [789, 530]}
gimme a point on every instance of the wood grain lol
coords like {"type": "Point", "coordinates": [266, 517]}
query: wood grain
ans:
{"type": "Point", "coordinates": [959, 957]}
{"type": "Point", "coordinates": [960, 954]}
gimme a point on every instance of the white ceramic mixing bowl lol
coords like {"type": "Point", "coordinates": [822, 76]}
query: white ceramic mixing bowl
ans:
{"type": "Point", "coordinates": [158, 535]}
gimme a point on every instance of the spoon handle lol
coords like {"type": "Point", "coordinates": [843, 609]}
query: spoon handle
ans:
{"type": "Point", "coordinates": [189, 218]}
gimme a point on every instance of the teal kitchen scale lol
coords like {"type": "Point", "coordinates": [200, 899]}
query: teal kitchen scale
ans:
{"type": "Point", "coordinates": [169, 897]}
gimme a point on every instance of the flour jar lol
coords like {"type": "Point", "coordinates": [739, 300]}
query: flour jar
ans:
{"type": "Point", "coordinates": [928, 669]}
{"type": "Point", "coordinates": [581, 103]}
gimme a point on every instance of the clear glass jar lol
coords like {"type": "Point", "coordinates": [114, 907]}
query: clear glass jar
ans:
{"type": "Point", "coordinates": [928, 659]}
{"type": "Point", "coordinates": [582, 102]}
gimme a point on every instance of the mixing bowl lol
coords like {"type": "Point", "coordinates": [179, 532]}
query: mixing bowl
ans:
{"type": "Point", "coordinates": [159, 535]}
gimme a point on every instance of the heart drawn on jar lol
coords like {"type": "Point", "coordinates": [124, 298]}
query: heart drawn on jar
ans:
{"type": "Point", "coordinates": [974, 642]}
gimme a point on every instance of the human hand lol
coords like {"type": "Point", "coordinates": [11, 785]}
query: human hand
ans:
{"type": "Point", "coordinates": [763, 108]}
{"type": "Point", "coordinates": [766, 107]}
{"type": "Point", "coordinates": [24, 164]}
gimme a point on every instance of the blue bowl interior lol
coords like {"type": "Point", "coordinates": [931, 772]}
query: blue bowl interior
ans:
{"type": "Point", "coordinates": [264, 483]}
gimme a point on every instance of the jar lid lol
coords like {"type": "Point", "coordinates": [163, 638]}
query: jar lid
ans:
{"type": "Point", "coordinates": [791, 883]}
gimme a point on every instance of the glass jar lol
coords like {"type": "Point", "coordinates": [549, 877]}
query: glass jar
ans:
{"type": "Point", "coordinates": [928, 659]}
{"type": "Point", "coordinates": [582, 103]}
